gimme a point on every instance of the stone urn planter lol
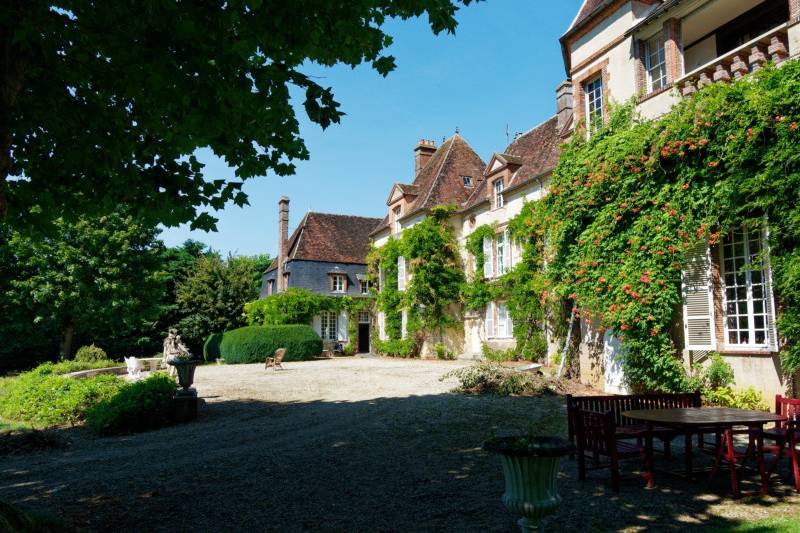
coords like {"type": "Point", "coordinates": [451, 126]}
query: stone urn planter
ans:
{"type": "Point", "coordinates": [530, 466]}
{"type": "Point", "coordinates": [185, 370]}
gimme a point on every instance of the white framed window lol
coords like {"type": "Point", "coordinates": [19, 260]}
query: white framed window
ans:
{"type": "Point", "coordinates": [655, 62]}
{"type": "Point", "coordinates": [502, 249]}
{"type": "Point", "coordinates": [364, 286]}
{"type": "Point", "coordinates": [401, 273]}
{"type": "Point", "coordinates": [328, 325]}
{"type": "Point", "coordinates": [593, 89]}
{"type": "Point", "coordinates": [467, 181]}
{"type": "Point", "coordinates": [396, 213]}
{"type": "Point", "coordinates": [505, 328]}
{"type": "Point", "coordinates": [338, 282]}
{"type": "Point", "coordinates": [748, 309]}
{"type": "Point", "coordinates": [498, 322]}
{"type": "Point", "coordinates": [499, 187]}
{"type": "Point", "coordinates": [363, 317]}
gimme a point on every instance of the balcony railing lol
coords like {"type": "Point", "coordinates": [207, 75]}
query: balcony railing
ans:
{"type": "Point", "coordinates": [739, 62]}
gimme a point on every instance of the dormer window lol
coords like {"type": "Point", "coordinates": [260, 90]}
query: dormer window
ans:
{"type": "Point", "coordinates": [396, 213]}
{"type": "Point", "coordinates": [467, 181]}
{"type": "Point", "coordinates": [338, 282]}
{"type": "Point", "coordinates": [499, 187]}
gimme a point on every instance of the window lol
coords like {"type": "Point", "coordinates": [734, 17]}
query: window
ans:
{"type": "Point", "coordinates": [363, 317]}
{"type": "Point", "coordinates": [498, 322]}
{"type": "Point", "coordinates": [364, 286]}
{"type": "Point", "coordinates": [401, 273]}
{"type": "Point", "coordinates": [499, 187]}
{"type": "Point", "coordinates": [504, 326]}
{"type": "Point", "coordinates": [500, 239]}
{"type": "Point", "coordinates": [747, 302]}
{"type": "Point", "coordinates": [328, 323]}
{"type": "Point", "coordinates": [655, 64]}
{"type": "Point", "coordinates": [396, 212]}
{"type": "Point", "coordinates": [338, 282]}
{"type": "Point", "coordinates": [594, 104]}
{"type": "Point", "coordinates": [467, 181]}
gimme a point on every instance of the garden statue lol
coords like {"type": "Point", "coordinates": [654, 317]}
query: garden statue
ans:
{"type": "Point", "coordinates": [174, 349]}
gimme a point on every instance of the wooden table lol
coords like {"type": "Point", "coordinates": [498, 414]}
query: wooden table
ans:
{"type": "Point", "coordinates": [720, 419]}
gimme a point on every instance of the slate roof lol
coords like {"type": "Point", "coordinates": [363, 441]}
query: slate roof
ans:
{"type": "Point", "coordinates": [440, 182]}
{"type": "Point", "coordinates": [536, 151]}
{"type": "Point", "coordinates": [330, 238]}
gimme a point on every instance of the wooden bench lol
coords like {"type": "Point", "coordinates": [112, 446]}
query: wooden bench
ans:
{"type": "Point", "coordinates": [617, 404]}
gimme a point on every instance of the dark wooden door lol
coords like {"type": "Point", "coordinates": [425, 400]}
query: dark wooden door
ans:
{"type": "Point", "coordinates": [363, 338]}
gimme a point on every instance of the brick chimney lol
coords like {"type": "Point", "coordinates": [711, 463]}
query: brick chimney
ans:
{"type": "Point", "coordinates": [283, 240]}
{"type": "Point", "coordinates": [422, 154]}
{"type": "Point", "coordinates": [564, 104]}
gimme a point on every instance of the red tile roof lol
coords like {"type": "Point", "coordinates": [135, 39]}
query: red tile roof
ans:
{"type": "Point", "coordinates": [536, 150]}
{"type": "Point", "coordinates": [588, 7]}
{"type": "Point", "coordinates": [330, 238]}
{"type": "Point", "coordinates": [440, 182]}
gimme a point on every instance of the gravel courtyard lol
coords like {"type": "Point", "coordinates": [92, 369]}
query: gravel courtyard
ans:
{"type": "Point", "coordinates": [348, 444]}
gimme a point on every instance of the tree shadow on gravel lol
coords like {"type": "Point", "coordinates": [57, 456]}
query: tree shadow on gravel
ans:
{"type": "Point", "coordinates": [387, 464]}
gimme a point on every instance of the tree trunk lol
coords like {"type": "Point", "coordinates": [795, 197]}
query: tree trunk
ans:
{"type": "Point", "coordinates": [67, 330]}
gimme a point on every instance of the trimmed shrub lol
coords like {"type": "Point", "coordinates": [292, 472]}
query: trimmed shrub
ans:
{"type": "Point", "coordinates": [253, 344]}
{"type": "Point", "coordinates": [211, 347]}
{"type": "Point", "coordinates": [66, 367]}
{"type": "Point", "coordinates": [90, 353]}
{"type": "Point", "coordinates": [43, 398]}
{"type": "Point", "coordinates": [139, 406]}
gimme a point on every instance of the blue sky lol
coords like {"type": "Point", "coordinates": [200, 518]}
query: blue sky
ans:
{"type": "Point", "coordinates": [501, 68]}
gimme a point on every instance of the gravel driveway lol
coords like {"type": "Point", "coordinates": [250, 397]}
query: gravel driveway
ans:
{"type": "Point", "coordinates": [347, 444]}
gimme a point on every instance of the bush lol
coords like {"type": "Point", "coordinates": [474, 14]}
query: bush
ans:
{"type": "Point", "coordinates": [211, 347]}
{"type": "Point", "coordinates": [442, 352]}
{"type": "Point", "coordinates": [395, 347]}
{"type": "Point", "coordinates": [44, 398]}
{"type": "Point", "coordinates": [13, 518]}
{"type": "Point", "coordinates": [138, 406]}
{"type": "Point", "coordinates": [66, 367]}
{"type": "Point", "coordinates": [498, 355]}
{"type": "Point", "coordinates": [253, 344]}
{"type": "Point", "coordinates": [748, 398]}
{"type": "Point", "coordinates": [492, 378]}
{"type": "Point", "coordinates": [90, 353]}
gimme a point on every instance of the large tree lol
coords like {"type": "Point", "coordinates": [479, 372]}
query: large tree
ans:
{"type": "Point", "coordinates": [105, 103]}
{"type": "Point", "coordinates": [211, 299]}
{"type": "Point", "coordinates": [98, 277]}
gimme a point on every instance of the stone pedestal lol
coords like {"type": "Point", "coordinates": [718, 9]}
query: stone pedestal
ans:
{"type": "Point", "coordinates": [184, 405]}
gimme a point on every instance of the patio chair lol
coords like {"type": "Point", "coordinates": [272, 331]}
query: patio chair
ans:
{"type": "Point", "coordinates": [595, 437]}
{"type": "Point", "coordinates": [786, 436]}
{"type": "Point", "coordinates": [275, 360]}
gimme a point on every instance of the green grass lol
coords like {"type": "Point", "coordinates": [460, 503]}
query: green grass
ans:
{"type": "Point", "coordinates": [784, 524]}
{"type": "Point", "coordinates": [11, 425]}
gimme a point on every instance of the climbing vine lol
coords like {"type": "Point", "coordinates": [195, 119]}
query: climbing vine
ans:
{"type": "Point", "coordinates": [626, 206]}
{"type": "Point", "coordinates": [434, 278]}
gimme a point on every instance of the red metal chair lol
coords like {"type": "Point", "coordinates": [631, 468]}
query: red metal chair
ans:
{"type": "Point", "coordinates": [786, 436]}
{"type": "Point", "coordinates": [595, 437]}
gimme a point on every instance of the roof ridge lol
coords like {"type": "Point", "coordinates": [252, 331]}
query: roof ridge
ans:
{"type": "Point", "coordinates": [339, 215]}
{"type": "Point", "coordinates": [539, 125]}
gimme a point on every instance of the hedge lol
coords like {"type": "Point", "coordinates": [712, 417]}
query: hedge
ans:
{"type": "Point", "coordinates": [211, 347]}
{"type": "Point", "coordinates": [253, 344]}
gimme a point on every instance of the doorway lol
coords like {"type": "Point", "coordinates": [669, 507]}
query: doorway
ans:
{"type": "Point", "coordinates": [363, 338]}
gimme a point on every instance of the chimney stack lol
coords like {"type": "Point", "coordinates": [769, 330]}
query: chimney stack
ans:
{"type": "Point", "coordinates": [422, 154]}
{"type": "Point", "coordinates": [283, 240]}
{"type": "Point", "coordinates": [564, 104]}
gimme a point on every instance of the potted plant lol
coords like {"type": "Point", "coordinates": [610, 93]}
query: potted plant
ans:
{"type": "Point", "coordinates": [530, 467]}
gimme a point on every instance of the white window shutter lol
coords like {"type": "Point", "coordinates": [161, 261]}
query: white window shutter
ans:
{"type": "Point", "coordinates": [772, 334]}
{"type": "Point", "coordinates": [509, 247]}
{"type": "Point", "coordinates": [382, 325]}
{"type": "Point", "coordinates": [489, 322]}
{"type": "Point", "coordinates": [516, 253]}
{"type": "Point", "coordinates": [403, 324]}
{"type": "Point", "coordinates": [488, 259]}
{"type": "Point", "coordinates": [698, 300]}
{"type": "Point", "coordinates": [509, 324]}
{"type": "Point", "coordinates": [316, 323]}
{"type": "Point", "coordinates": [401, 273]}
{"type": "Point", "coordinates": [341, 326]}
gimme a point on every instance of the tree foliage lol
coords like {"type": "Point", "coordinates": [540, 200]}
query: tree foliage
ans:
{"type": "Point", "coordinates": [91, 277]}
{"type": "Point", "coordinates": [105, 103]}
